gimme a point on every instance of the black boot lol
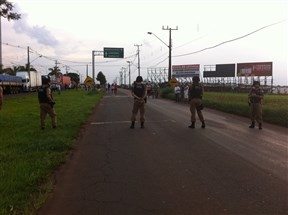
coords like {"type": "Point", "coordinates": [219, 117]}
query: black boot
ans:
{"type": "Point", "coordinates": [142, 124]}
{"type": "Point", "coordinates": [260, 126]}
{"type": "Point", "coordinates": [252, 125]}
{"type": "Point", "coordinates": [203, 125]}
{"type": "Point", "coordinates": [192, 125]}
{"type": "Point", "coordinates": [132, 124]}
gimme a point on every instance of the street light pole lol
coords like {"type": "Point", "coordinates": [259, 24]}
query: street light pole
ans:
{"type": "Point", "coordinates": [170, 55]}
{"type": "Point", "coordinates": [169, 46]}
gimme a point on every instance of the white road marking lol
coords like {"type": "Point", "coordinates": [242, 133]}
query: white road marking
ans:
{"type": "Point", "coordinates": [125, 122]}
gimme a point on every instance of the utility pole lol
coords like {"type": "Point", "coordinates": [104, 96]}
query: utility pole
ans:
{"type": "Point", "coordinates": [170, 50]}
{"type": "Point", "coordinates": [93, 66]}
{"type": "Point", "coordinates": [124, 72]}
{"type": "Point", "coordinates": [86, 70]}
{"type": "Point", "coordinates": [66, 67]}
{"type": "Point", "coordinates": [28, 59]}
{"type": "Point", "coordinates": [138, 57]}
{"type": "Point", "coordinates": [121, 77]}
{"type": "Point", "coordinates": [129, 72]}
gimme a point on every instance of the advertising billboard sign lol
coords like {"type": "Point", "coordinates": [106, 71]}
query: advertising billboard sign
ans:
{"type": "Point", "coordinates": [222, 70]}
{"type": "Point", "coordinates": [254, 69]}
{"type": "Point", "coordinates": [190, 70]}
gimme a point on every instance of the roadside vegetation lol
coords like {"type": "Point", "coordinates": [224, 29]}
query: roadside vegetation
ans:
{"type": "Point", "coordinates": [275, 107]}
{"type": "Point", "coordinates": [29, 155]}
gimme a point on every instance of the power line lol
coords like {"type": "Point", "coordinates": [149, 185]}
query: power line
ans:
{"type": "Point", "coordinates": [228, 41]}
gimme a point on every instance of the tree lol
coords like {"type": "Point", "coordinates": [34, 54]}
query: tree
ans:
{"type": "Point", "coordinates": [101, 78]}
{"type": "Point", "coordinates": [15, 69]}
{"type": "Point", "coordinates": [74, 77]}
{"type": "Point", "coordinates": [6, 8]}
{"type": "Point", "coordinates": [55, 70]}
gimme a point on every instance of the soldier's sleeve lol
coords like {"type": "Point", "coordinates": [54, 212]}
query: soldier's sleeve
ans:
{"type": "Point", "coordinates": [49, 95]}
{"type": "Point", "coordinates": [145, 91]}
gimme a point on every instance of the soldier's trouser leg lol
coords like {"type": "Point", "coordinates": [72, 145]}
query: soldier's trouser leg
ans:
{"type": "Point", "coordinates": [252, 112]}
{"type": "Point", "coordinates": [193, 107]}
{"type": "Point", "coordinates": [43, 114]}
{"type": "Point", "coordinates": [193, 110]}
{"type": "Point", "coordinates": [134, 111]}
{"type": "Point", "coordinates": [52, 114]}
{"type": "Point", "coordinates": [47, 109]}
{"type": "Point", "coordinates": [258, 112]}
{"type": "Point", "coordinates": [142, 112]}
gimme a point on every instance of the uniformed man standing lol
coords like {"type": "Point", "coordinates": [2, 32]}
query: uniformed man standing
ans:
{"type": "Point", "coordinates": [255, 98]}
{"type": "Point", "coordinates": [46, 103]}
{"type": "Point", "coordinates": [139, 92]}
{"type": "Point", "coordinates": [1, 97]}
{"type": "Point", "coordinates": [195, 100]}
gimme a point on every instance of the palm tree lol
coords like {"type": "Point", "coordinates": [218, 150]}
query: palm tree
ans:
{"type": "Point", "coordinates": [55, 71]}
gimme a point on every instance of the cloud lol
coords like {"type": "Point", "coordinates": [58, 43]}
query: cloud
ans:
{"type": "Point", "coordinates": [39, 33]}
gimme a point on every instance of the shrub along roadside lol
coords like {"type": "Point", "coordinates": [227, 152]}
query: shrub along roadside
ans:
{"type": "Point", "coordinates": [275, 107]}
{"type": "Point", "coordinates": [29, 155]}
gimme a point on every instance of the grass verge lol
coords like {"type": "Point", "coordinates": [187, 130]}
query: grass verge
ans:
{"type": "Point", "coordinates": [29, 155]}
{"type": "Point", "coordinates": [275, 107]}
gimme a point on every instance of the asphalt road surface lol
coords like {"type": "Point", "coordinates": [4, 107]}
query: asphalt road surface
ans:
{"type": "Point", "coordinates": [168, 168]}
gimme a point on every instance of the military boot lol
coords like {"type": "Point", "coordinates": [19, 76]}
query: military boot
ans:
{"type": "Point", "coordinates": [142, 124]}
{"type": "Point", "coordinates": [260, 126]}
{"type": "Point", "coordinates": [252, 125]}
{"type": "Point", "coordinates": [192, 125]}
{"type": "Point", "coordinates": [132, 124]}
{"type": "Point", "coordinates": [203, 125]}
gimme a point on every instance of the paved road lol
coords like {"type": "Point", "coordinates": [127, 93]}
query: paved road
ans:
{"type": "Point", "coordinates": [167, 168]}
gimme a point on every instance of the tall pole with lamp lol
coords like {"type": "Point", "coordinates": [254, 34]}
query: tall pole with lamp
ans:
{"type": "Point", "coordinates": [169, 46]}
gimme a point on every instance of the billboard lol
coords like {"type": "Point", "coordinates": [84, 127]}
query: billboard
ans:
{"type": "Point", "coordinates": [222, 70]}
{"type": "Point", "coordinates": [254, 69]}
{"type": "Point", "coordinates": [186, 70]}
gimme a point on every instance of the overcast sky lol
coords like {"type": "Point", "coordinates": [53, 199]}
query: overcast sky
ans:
{"type": "Point", "coordinates": [68, 31]}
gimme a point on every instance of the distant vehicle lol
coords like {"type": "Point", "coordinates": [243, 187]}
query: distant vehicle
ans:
{"type": "Point", "coordinates": [11, 84]}
{"type": "Point", "coordinates": [62, 80]}
{"type": "Point", "coordinates": [31, 81]}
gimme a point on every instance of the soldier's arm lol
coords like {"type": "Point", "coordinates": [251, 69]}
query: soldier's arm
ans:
{"type": "Point", "coordinates": [145, 92]}
{"type": "Point", "coordinates": [49, 95]}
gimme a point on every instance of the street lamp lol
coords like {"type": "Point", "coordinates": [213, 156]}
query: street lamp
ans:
{"type": "Point", "coordinates": [35, 59]}
{"type": "Point", "coordinates": [169, 46]}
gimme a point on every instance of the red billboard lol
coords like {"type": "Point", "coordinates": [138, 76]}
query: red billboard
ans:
{"type": "Point", "coordinates": [186, 70]}
{"type": "Point", "coordinates": [254, 69]}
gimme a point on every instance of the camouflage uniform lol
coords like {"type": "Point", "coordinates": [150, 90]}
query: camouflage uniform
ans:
{"type": "Point", "coordinates": [195, 99]}
{"type": "Point", "coordinates": [255, 98]}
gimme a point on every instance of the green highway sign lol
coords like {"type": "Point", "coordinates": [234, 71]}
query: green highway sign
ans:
{"type": "Point", "coordinates": [113, 52]}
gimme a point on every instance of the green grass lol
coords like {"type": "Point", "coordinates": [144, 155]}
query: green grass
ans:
{"type": "Point", "coordinates": [275, 107]}
{"type": "Point", "coordinates": [29, 155]}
